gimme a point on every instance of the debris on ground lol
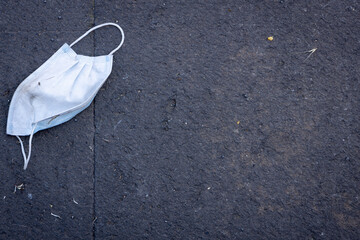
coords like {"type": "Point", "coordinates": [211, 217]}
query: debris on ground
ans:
{"type": "Point", "coordinates": [311, 52]}
{"type": "Point", "coordinates": [19, 187]}
{"type": "Point", "coordinates": [57, 216]}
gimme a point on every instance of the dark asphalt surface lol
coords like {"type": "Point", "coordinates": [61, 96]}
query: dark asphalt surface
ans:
{"type": "Point", "coordinates": [204, 129]}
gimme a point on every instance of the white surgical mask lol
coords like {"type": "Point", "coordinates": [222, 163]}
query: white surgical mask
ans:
{"type": "Point", "coordinates": [59, 89]}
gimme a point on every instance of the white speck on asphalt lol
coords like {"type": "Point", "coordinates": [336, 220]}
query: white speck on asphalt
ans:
{"type": "Point", "coordinates": [57, 216]}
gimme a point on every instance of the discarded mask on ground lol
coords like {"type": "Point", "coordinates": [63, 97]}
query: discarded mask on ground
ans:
{"type": "Point", "coordinates": [59, 89]}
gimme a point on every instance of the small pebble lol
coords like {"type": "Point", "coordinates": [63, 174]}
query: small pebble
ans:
{"type": "Point", "coordinates": [30, 196]}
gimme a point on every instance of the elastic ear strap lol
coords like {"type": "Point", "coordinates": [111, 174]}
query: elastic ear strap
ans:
{"type": "Point", "coordinates": [99, 26]}
{"type": "Point", "coordinates": [26, 158]}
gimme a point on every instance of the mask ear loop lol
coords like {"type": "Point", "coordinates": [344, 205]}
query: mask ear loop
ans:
{"type": "Point", "coordinates": [26, 158]}
{"type": "Point", "coordinates": [99, 26]}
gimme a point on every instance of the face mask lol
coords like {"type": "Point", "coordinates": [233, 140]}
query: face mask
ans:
{"type": "Point", "coordinates": [59, 89]}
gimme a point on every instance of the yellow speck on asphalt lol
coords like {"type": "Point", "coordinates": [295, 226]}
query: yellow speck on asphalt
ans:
{"type": "Point", "coordinates": [270, 38]}
{"type": "Point", "coordinates": [238, 122]}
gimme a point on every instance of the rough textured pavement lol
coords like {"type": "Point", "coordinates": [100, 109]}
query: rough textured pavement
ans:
{"type": "Point", "coordinates": [204, 130]}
